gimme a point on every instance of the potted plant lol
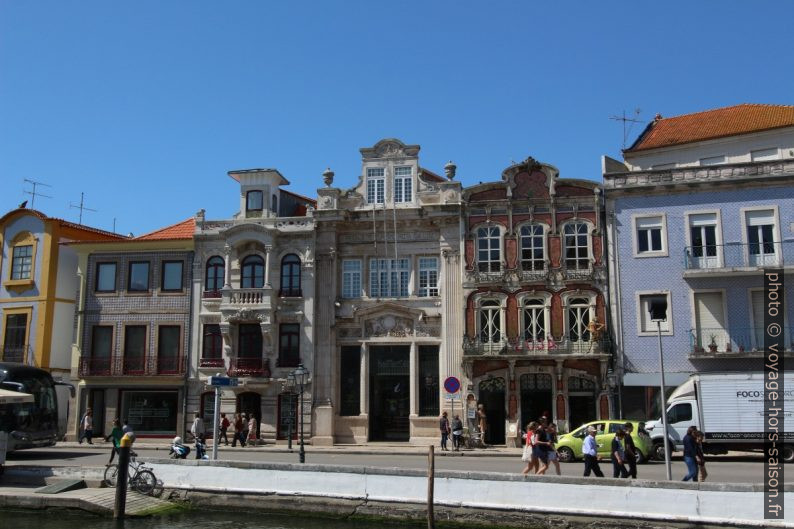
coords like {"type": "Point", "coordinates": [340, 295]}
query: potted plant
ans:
{"type": "Point", "coordinates": [741, 347]}
{"type": "Point", "coordinates": [713, 343]}
{"type": "Point", "coordinates": [728, 347]}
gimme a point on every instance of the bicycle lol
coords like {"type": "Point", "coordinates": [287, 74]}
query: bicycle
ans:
{"type": "Point", "coordinates": [140, 477]}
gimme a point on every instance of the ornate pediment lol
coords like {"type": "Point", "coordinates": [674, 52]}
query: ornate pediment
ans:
{"type": "Point", "coordinates": [389, 325]}
{"type": "Point", "coordinates": [390, 148]}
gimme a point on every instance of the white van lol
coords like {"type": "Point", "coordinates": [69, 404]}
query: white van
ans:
{"type": "Point", "coordinates": [728, 408]}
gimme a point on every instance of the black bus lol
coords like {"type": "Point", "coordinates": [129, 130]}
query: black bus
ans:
{"type": "Point", "coordinates": [29, 425]}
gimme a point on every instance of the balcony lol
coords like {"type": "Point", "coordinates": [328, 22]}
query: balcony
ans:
{"type": "Point", "coordinates": [16, 353]}
{"type": "Point", "coordinates": [578, 270]}
{"type": "Point", "coordinates": [95, 366]}
{"type": "Point", "coordinates": [534, 271]}
{"type": "Point", "coordinates": [290, 293]}
{"type": "Point", "coordinates": [742, 342]}
{"type": "Point", "coordinates": [134, 365]}
{"type": "Point", "coordinates": [523, 348]}
{"type": "Point", "coordinates": [211, 362]}
{"type": "Point", "coordinates": [736, 257]}
{"type": "Point", "coordinates": [250, 297]}
{"type": "Point", "coordinates": [170, 365]}
{"type": "Point", "coordinates": [249, 367]}
{"type": "Point", "coordinates": [131, 366]}
{"type": "Point", "coordinates": [211, 294]}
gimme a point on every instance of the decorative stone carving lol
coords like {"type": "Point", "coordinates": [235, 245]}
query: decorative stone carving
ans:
{"type": "Point", "coordinates": [428, 331]}
{"type": "Point", "coordinates": [245, 314]}
{"type": "Point", "coordinates": [450, 169]}
{"type": "Point", "coordinates": [328, 177]}
{"type": "Point", "coordinates": [391, 326]}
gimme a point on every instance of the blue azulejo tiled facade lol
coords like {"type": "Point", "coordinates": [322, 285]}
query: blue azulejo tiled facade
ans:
{"type": "Point", "coordinates": [698, 238]}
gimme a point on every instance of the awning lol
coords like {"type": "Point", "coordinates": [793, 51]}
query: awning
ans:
{"type": "Point", "coordinates": [14, 397]}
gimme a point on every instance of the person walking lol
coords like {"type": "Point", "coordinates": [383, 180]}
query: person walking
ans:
{"type": "Point", "coordinates": [630, 449]}
{"type": "Point", "coordinates": [238, 431]}
{"type": "Point", "coordinates": [115, 436]}
{"type": "Point", "coordinates": [457, 432]}
{"type": "Point", "coordinates": [482, 423]}
{"type": "Point", "coordinates": [690, 454]}
{"type": "Point", "coordinates": [87, 425]}
{"type": "Point", "coordinates": [443, 425]}
{"type": "Point", "coordinates": [252, 424]}
{"type": "Point", "coordinates": [197, 428]}
{"type": "Point", "coordinates": [701, 457]}
{"type": "Point", "coordinates": [223, 427]}
{"type": "Point", "coordinates": [541, 449]}
{"type": "Point", "coordinates": [618, 455]}
{"type": "Point", "coordinates": [529, 452]}
{"type": "Point", "coordinates": [590, 452]}
{"type": "Point", "coordinates": [551, 433]}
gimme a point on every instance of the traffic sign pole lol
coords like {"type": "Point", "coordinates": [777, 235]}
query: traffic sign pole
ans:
{"type": "Point", "coordinates": [215, 431]}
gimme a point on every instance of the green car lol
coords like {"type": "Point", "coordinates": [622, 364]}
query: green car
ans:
{"type": "Point", "coordinates": [569, 446]}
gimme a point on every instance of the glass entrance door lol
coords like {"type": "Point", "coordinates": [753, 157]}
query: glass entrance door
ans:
{"type": "Point", "coordinates": [389, 398]}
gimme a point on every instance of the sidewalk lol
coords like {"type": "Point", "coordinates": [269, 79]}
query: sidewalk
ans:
{"type": "Point", "coordinates": [281, 447]}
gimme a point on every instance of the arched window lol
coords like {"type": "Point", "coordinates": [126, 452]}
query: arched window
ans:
{"type": "Point", "coordinates": [274, 204]}
{"type": "Point", "coordinates": [535, 321]}
{"type": "Point", "coordinates": [253, 201]}
{"type": "Point", "coordinates": [490, 322]}
{"type": "Point", "coordinates": [291, 276]}
{"type": "Point", "coordinates": [213, 279]}
{"type": "Point", "coordinates": [580, 312]}
{"type": "Point", "coordinates": [533, 258]}
{"type": "Point", "coordinates": [253, 272]}
{"type": "Point", "coordinates": [577, 246]}
{"type": "Point", "coordinates": [489, 249]}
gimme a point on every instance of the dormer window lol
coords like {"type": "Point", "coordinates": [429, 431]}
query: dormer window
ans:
{"type": "Point", "coordinates": [253, 201]}
{"type": "Point", "coordinates": [375, 185]}
{"type": "Point", "coordinates": [403, 185]}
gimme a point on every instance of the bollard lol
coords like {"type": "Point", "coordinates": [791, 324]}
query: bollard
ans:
{"type": "Point", "coordinates": [125, 445]}
{"type": "Point", "coordinates": [431, 470]}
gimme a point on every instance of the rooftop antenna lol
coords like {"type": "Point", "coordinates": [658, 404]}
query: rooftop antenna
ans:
{"type": "Point", "coordinates": [625, 120]}
{"type": "Point", "coordinates": [81, 207]}
{"type": "Point", "coordinates": [33, 194]}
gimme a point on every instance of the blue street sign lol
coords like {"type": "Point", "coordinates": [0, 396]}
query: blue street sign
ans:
{"type": "Point", "coordinates": [452, 385]}
{"type": "Point", "coordinates": [223, 381]}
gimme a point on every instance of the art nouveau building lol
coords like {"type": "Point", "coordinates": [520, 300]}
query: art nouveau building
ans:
{"type": "Point", "coordinates": [389, 310]}
{"type": "Point", "coordinates": [253, 305]}
{"type": "Point", "coordinates": [535, 308]}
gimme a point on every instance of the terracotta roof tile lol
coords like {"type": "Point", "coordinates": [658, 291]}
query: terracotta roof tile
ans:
{"type": "Point", "coordinates": [180, 230]}
{"type": "Point", "coordinates": [711, 124]}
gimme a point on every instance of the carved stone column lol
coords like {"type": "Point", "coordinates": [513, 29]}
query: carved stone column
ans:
{"type": "Point", "coordinates": [226, 334]}
{"type": "Point", "coordinates": [268, 251]}
{"type": "Point", "coordinates": [227, 267]}
{"type": "Point", "coordinates": [363, 401]}
{"type": "Point", "coordinates": [413, 370]}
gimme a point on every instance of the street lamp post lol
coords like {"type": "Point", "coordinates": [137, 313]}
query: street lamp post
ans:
{"type": "Point", "coordinates": [290, 387]}
{"type": "Point", "coordinates": [301, 375]}
{"type": "Point", "coordinates": [658, 311]}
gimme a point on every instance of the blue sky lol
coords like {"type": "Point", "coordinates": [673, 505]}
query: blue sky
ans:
{"type": "Point", "coordinates": [144, 106]}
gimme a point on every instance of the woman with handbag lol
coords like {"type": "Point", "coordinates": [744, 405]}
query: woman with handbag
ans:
{"type": "Point", "coordinates": [528, 456]}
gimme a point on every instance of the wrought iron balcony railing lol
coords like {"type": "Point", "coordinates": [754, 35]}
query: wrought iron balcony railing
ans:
{"type": "Point", "coordinates": [749, 340]}
{"type": "Point", "coordinates": [516, 347]}
{"type": "Point", "coordinates": [211, 362]}
{"type": "Point", "coordinates": [95, 366]}
{"type": "Point", "coordinates": [249, 367]}
{"type": "Point", "coordinates": [16, 353]}
{"type": "Point", "coordinates": [739, 255]}
{"type": "Point", "coordinates": [118, 365]}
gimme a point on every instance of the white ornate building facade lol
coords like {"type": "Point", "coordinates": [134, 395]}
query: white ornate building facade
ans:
{"type": "Point", "coordinates": [253, 303]}
{"type": "Point", "coordinates": [389, 312]}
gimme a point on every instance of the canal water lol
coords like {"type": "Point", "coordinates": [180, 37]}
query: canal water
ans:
{"type": "Point", "coordinates": [63, 519]}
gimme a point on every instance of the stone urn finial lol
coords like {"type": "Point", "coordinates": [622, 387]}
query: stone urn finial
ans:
{"type": "Point", "coordinates": [450, 169]}
{"type": "Point", "coordinates": [328, 177]}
